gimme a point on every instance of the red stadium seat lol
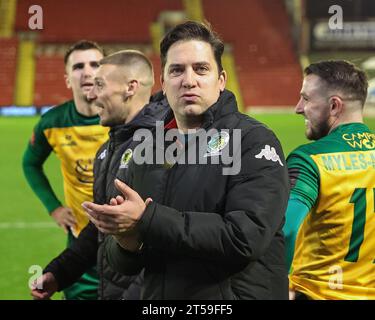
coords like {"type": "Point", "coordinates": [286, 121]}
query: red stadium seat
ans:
{"type": "Point", "coordinates": [259, 31]}
{"type": "Point", "coordinates": [8, 63]}
{"type": "Point", "coordinates": [49, 81]}
{"type": "Point", "coordinates": [109, 21]}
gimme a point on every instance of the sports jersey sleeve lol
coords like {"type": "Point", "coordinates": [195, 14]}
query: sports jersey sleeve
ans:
{"type": "Point", "coordinates": [304, 180]}
{"type": "Point", "coordinates": [294, 216]}
{"type": "Point", "coordinates": [36, 153]}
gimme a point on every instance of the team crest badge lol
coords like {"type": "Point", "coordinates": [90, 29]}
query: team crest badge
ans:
{"type": "Point", "coordinates": [126, 157]}
{"type": "Point", "coordinates": [217, 143]}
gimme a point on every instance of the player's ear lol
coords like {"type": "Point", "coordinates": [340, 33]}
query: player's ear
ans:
{"type": "Point", "coordinates": [336, 106]}
{"type": "Point", "coordinates": [67, 81]}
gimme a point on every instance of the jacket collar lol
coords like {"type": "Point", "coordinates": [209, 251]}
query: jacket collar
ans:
{"type": "Point", "coordinates": [226, 104]}
{"type": "Point", "coordinates": [156, 110]}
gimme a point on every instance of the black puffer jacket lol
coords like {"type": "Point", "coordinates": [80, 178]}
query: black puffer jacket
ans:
{"type": "Point", "coordinates": [207, 235]}
{"type": "Point", "coordinates": [111, 160]}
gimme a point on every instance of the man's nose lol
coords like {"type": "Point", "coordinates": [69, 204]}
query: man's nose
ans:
{"type": "Point", "coordinates": [300, 107]}
{"type": "Point", "coordinates": [189, 79]}
{"type": "Point", "coordinates": [88, 70]}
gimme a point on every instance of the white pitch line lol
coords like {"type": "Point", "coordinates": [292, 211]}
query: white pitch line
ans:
{"type": "Point", "coordinates": [27, 225]}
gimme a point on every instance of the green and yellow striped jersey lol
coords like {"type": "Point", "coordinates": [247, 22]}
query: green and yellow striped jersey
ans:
{"type": "Point", "coordinates": [75, 139]}
{"type": "Point", "coordinates": [334, 177]}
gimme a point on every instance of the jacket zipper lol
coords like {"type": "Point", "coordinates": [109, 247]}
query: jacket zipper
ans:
{"type": "Point", "coordinates": [110, 151]}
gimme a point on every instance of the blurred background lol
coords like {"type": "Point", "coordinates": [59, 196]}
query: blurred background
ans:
{"type": "Point", "coordinates": [268, 43]}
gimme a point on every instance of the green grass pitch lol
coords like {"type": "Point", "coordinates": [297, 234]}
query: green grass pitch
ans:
{"type": "Point", "coordinates": [27, 234]}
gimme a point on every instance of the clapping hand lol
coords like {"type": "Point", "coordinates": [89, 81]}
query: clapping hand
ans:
{"type": "Point", "coordinates": [121, 214]}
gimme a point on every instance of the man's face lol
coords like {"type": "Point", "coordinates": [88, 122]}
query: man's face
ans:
{"type": "Point", "coordinates": [191, 80]}
{"type": "Point", "coordinates": [109, 94]}
{"type": "Point", "coordinates": [314, 106]}
{"type": "Point", "coordinates": [80, 69]}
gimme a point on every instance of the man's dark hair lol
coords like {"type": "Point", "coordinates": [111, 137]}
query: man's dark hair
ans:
{"type": "Point", "coordinates": [343, 76]}
{"type": "Point", "coordinates": [82, 45]}
{"type": "Point", "coordinates": [192, 30]}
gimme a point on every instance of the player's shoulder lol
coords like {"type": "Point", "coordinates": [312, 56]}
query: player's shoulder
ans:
{"type": "Point", "coordinates": [345, 138]}
{"type": "Point", "coordinates": [328, 144]}
{"type": "Point", "coordinates": [56, 116]}
{"type": "Point", "coordinates": [306, 149]}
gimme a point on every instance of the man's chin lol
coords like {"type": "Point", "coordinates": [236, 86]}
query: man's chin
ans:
{"type": "Point", "coordinates": [103, 122]}
{"type": "Point", "coordinates": [310, 135]}
{"type": "Point", "coordinates": [87, 99]}
{"type": "Point", "coordinates": [192, 110]}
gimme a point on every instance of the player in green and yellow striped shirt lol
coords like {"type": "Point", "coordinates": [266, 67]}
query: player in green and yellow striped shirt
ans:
{"type": "Point", "coordinates": [72, 131]}
{"type": "Point", "coordinates": [330, 220]}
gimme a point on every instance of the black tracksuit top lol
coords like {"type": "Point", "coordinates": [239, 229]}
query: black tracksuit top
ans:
{"type": "Point", "coordinates": [207, 235]}
{"type": "Point", "coordinates": [86, 251]}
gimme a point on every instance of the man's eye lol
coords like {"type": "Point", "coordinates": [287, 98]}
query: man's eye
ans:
{"type": "Point", "coordinates": [77, 66]}
{"type": "Point", "coordinates": [201, 69]}
{"type": "Point", "coordinates": [99, 85]}
{"type": "Point", "coordinates": [94, 64]}
{"type": "Point", "coordinates": [175, 71]}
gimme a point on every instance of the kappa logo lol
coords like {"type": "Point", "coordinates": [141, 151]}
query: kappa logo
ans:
{"type": "Point", "coordinates": [217, 143]}
{"type": "Point", "coordinates": [126, 157]}
{"type": "Point", "coordinates": [103, 154]}
{"type": "Point", "coordinates": [270, 154]}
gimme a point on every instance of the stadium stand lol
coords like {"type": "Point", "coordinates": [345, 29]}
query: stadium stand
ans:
{"type": "Point", "coordinates": [49, 81]}
{"type": "Point", "coordinates": [126, 22]}
{"type": "Point", "coordinates": [155, 60]}
{"type": "Point", "coordinates": [109, 21]}
{"type": "Point", "coordinates": [267, 65]}
{"type": "Point", "coordinates": [8, 64]}
{"type": "Point", "coordinates": [265, 61]}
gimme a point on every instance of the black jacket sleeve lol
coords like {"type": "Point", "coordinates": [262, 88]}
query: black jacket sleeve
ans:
{"type": "Point", "coordinates": [121, 260]}
{"type": "Point", "coordinates": [133, 292]}
{"type": "Point", "coordinates": [74, 261]}
{"type": "Point", "coordinates": [255, 206]}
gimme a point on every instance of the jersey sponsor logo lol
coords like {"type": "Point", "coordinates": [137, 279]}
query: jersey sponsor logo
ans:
{"type": "Point", "coordinates": [84, 171]}
{"type": "Point", "coordinates": [92, 137]}
{"type": "Point", "coordinates": [125, 159]}
{"type": "Point", "coordinates": [217, 143]}
{"type": "Point", "coordinates": [270, 154]}
{"type": "Point", "coordinates": [363, 140]}
{"type": "Point", "coordinates": [102, 155]}
{"type": "Point", "coordinates": [69, 141]}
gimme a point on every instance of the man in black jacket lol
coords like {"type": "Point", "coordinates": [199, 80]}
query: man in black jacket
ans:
{"type": "Point", "coordinates": [209, 229]}
{"type": "Point", "coordinates": [121, 91]}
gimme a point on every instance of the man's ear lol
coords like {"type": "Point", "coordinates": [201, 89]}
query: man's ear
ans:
{"type": "Point", "coordinates": [336, 106]}
{"type": "Point", "coordinates": [67, 81]}
{"type": "Point", "coordinates": [222, 80]}
{"type": "Point", "coordinates": [131, 89]}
